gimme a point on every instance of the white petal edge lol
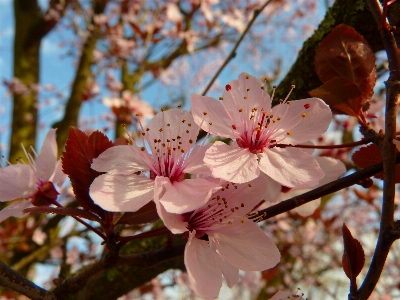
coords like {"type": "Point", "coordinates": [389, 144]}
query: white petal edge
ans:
{"type": "Point", "coordinates": [47, 158]}
{"type": "Point", "coordinates": [246, 246]}
{"type": "Point", "coordinates": [204, 267]}
{"type": "Point", "coordinates": [232, 163]}
{"type": "Point", "coordinates": [121, 193]}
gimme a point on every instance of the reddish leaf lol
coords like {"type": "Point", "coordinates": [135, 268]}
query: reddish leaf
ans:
{"type": "Point", "coordinates": [346, 64]}
{"type": "Point", "coordinates": [370, 155]}
{"type": "Point", "coordinates": [146, 214]}
{"type": "Point", "coordinates": [77, 158]}
{"type": "Point", "coordinates": [73, 212]}
{"type": "Point", "coordinates": [343, 96]}
{"type": "Point", "coordinates": [353, 256]}
{"type": "Point", "coordinates": [344, 53]}
{"type": "Point", "coordinates": [367, 156]}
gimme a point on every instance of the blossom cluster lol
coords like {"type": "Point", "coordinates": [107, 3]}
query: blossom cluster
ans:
{"type": "Point", "coordinates": [204, 191]}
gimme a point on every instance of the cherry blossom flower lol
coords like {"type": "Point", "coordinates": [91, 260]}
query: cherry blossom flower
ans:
{"type": "Point", "coordinates": [261, 134]}
{"type": "Point", "coordinates": [333, 169]}
{"type": "Point", "coordinates": [171, 137]}
{"type": "Point", "coordinates": [32, 182]}
{"type": "Point", "coordinates": [130, 104]}
{"type": "Point", "coordinates": [222, 239]}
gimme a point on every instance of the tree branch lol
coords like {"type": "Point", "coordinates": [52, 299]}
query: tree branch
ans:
{"type": "Point", "coordinates": [326, 189]}
{"type": "Point", "coordinates": [353, 13]}
{"type": "Point", "coordinates": [74, 283]}
{"type": "Point", "coordinates": [11, 279]}
{"type": "Point", "coordinates": [388, 152]}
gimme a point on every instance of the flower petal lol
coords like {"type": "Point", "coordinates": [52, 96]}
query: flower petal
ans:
{"type": "Point", "coordinates": [247, 195]}
{"type": "Point", "coordinates": [195, 163]}
{"type": "Point", "coordinates": [14, 210]}
{"type": "Point", "coordinates": [283, 295]}
{"type": "Point", "coordinates": [308, 209]}
{"type": "Point", "coordinates": [119, 160]}
{"type": "Point", "coordinates": [187, 195]}
{"type": "Point", "coordinates": [247, 94]}
{"type": "Point", "coordinates": [17, 181]}
{"type": "Point", "coordinates": [333, 169]}
{"type": "Point", "coordinates": [246, 246]}
{"type": "Point", "coordinates": [232, 163]}
{"type": "Point", "coordinates": [221, 123]}
{"type": "Point", "coordinates": [58, 176]}
{"type": "Point", "coordinates": [181, 124]}
{"type": "Point", "coordinates": [305, 119]}
{"type": "Point", "coordinates": [47, 158]}
{"type": "Point", "coordinates": [204, 266]}
{"type": "Point", "coordinates": [231, 273]}
{"type": "Point", "coordinates": [290, 167]}
{"type": "Point", "coordinates": [173, 222]}
{"type": "Point", "coordinates": [121, 193]}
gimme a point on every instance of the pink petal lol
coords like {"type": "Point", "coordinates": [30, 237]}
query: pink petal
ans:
{"type": "Point", "coordinates": [180, 122]}
{"type": "Point", "coordinates": [14, 210]}
{"type": "Point", "coordinates": [290, 167]}
{"type": "Point", "coordinates": [246, 246]}
{"type": "Point", "coordinates": [281, 295]}
{"type": "Point", "coordinates": [17, 181]}
{"type": "Point", "coordinates": [273, 188]}
{"type": "Point", "coordinates": [195, 163]}
{"type": "Point", "coordinates": [215, 113]}
{"type": "Point", "coordinates": [232, 163]}
{"type": "Point", "coordinates": [47, 158]}
{"type": "Point", "coordinates": [308, 209]}
{"type": "Point", "coordinates": [121, 193]}
{"type": "Point", "coordinates": [203, 265]}
{"type": "Point", "coordinates": [174, 222]}
{"type": "Point", "coordinates": [58, 176]}
{"type": "Point", "coordinates": [119, 160]}
{"type": "Point", "coordinates": [248, 195]}
{"type": "Point", "coordinates": [245, 93]}
{"type": "Point", "coordinates": [231, 273]}
{"type": "Point", "coordinates": [303, 123]}
{"type": "Point", "coordinates": [333, 169]}
{"type": "Point", "coordinates": [187, 195]}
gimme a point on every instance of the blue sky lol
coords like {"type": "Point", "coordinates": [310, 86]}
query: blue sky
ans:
{"type": "Point", "coordinates": [58, 69]}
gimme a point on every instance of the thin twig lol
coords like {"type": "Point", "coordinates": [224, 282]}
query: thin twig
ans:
{"type": "Point", "coordinates": [326, 189]}
{"type": "Point", "coordinates": [232, 54]}
{"type": "Point", "coordinates": [388, 152]}
{"type": "Point", "coordinates": [11, 279]}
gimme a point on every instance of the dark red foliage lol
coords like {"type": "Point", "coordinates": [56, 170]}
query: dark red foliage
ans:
{"type": "Point", "coordinates": [370, 155]}
{"type": "Point", "coordinates": [353, 257]}
{"type": "Point", "coordinates": [80, 150]}
{"type": "Point", "coordinates": [346, 65]}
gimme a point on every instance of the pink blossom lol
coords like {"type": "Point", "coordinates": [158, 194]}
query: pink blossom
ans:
{"type": "Point", "coordinates": [333, 169]}
{"type": "Point", "coordinates": [173, 13]}
{"type": "Point", "coordinates": [32, 182]}
{"type": "Point", "coordinates": [171, 137]}
{"type": "Point", "coordinates": [129, 104]}
{"type": "Point", "coordinates": [261, 134]}
{"type": "Point", "coordinates": [222, 239]}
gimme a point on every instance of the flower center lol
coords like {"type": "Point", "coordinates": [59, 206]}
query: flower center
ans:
{"type": "Point", "coordinates": [217, 212]}
{"type": "Point", "coordinates": [45, 195]}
